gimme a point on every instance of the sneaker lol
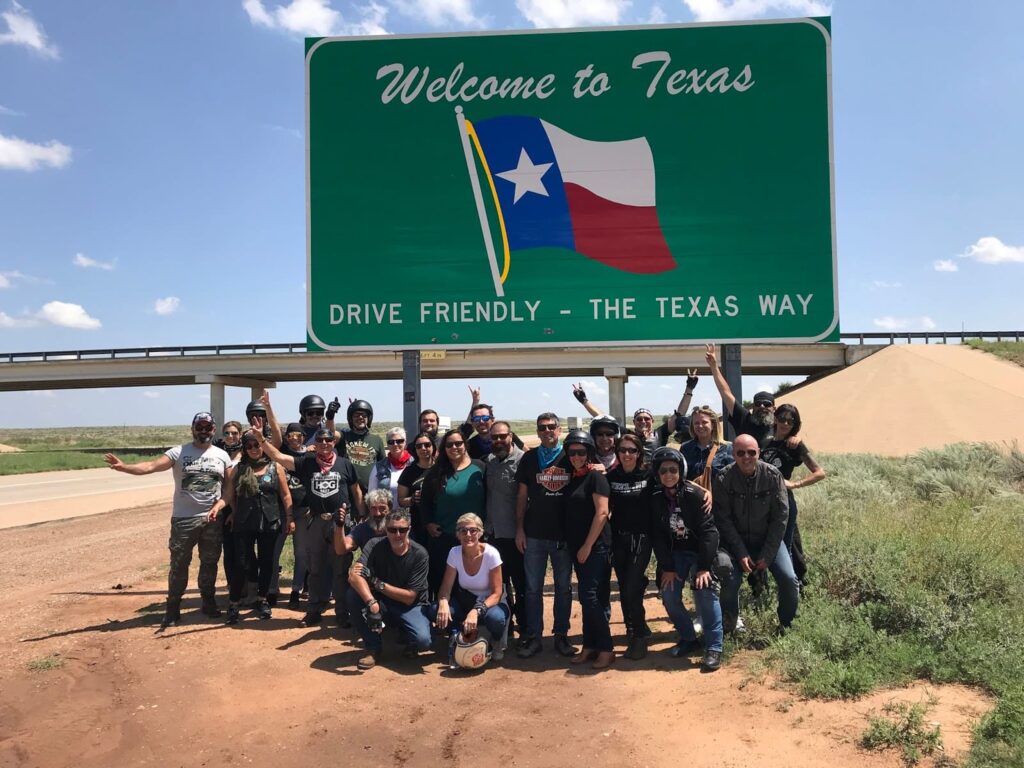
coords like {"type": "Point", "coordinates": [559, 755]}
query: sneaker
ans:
{"type": "Point", "coordinates": [210, 608]}
{"type": "Point", "coordinates": [740, 626]}
{"type": "Point", "coordinates": [711, 662]}
{"type": "Point", "coordinates": [530, 647]}
{"type": "Point", "coordinates": [564, 647]}
{"type": "Point", "coordinates": [637, 648]}
{"type": "Point", "coordinates": [684, 648]}
{"type": "Point", "coordinates": [233, 614]}
{"type": "Point", "coordinates": [293, 601]}
{"type": "Point", "coordinates": [311, 619]}
{"type": "Point", "coordinates": [172, 616]}
{"type": "Point", "coordinates": [369, 661]}
{"type": "Point", "coordinates": [264, 609]}
{"type": "Point", "coordinates": [498, 654]}
{"type": "Point", "coordinates": [272, 599]}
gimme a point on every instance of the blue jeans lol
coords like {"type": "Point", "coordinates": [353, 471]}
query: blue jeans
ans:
{"type": "Point", "coordinates": [787, 537]}
{"type": "Point", "coordinates": [535, 562]}
{"type": "Point", "coordinates": [592, 579]}
{"type": "Point", "coordinates": [785, 580]}
{"type": "Point", "coordinates": [495, 620]}
{"type": "Point", "coordinates": [708, 606]}
{"type": "Point", "coordinates": [412, 620]}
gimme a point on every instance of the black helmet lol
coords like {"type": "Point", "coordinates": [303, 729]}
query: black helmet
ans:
{"type": "Point", "coordinates": [604, 421]}
{"type": "Point", "coordinates": [579, 437]}
{"type": "Point", "coordinates": [360, 405]}
{"type": "Point", "coordinates": [665, 453]}
{"type": "Point", "coordinates": [309, 402]}
{"type": "Point", "coordinates": [255, 408]}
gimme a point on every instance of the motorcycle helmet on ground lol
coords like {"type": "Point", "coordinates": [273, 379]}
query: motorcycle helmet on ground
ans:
{"type": "Point", "coordinates": [464, 654]}
{"type": "Point", "coordinates": [360, 405]}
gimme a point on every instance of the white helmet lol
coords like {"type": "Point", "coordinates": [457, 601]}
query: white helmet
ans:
{"type": "Point", "coordinates": [469, 655]}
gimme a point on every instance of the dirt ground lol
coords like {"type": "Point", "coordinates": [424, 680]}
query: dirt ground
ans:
{"type": "Point", "coordinates": [86, 680]}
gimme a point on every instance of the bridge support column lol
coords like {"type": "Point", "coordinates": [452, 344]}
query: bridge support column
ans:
{"type": "Point", "coordinates": [411, 394]}
{"type": "Point", "coordinates": [617, 379]}
{"type": "Point", "coordinates": [733, 372]}
{"type": "Point", "coordinates": [217, 403]}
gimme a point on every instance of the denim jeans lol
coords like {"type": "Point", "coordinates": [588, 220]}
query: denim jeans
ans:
{"type": "Point", "coordinates": [591, 575]}
{"type": "Point", "coordinates": [708, 605]}
{"type": "Point", "coordinates": [412, 620]}
{"type": "Point", "coordinates": [631, 554]}
{"type": "Point", "coordinates": [785, 580]}
{"type": "Point", "coordinates": [535, 562]}
{"type": "Point", "coordinates": [787, 537]}
{"type": "Point", "coordinates": [495, 620]}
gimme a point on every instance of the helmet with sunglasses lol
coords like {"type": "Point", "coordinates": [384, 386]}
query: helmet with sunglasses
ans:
{"type": "Point", "coordinates": [665, 453]}
{"type": "Point", "coordinates": [360, 405]}
{"type": "Point", "coordinates": [579, 437]}
{"type": "Point", "coordinates": [463, 654]}
{"type": "Point", "coordinates": [311, 402]}
{"type": "Point", "coordinates": [604, 422]}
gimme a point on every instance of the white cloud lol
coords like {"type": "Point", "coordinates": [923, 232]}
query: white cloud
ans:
{"type": "Point", "coordinates": [167, 306]}
{"type": "Point", "coordinates": [440, 12]}
{"type": "Point", "coordinates": [883, 284]}
{"type": "Point", "coordinates": [945, 265]}
{"type": "Point", "coordinates": [656, 15]}
{"type": "Point", "coordinates": [8, 112]}
{"type": "Point", "coordinates": [992, 250]}
{"type": "Point", "coordinates": [734, 10]}
{"type": "Point", "coordinates": [20, 155]}
{"type": "Point", "coordinates": [572, 13]}
{"type": "Point", "coordinates": [22, 29]}
{"type": "Point", "coordinates": [546, 395]}
{"type": "Point", "coordinates": [151, 395]}
{"type": "Point", "coordinates": [6, 321]}
{"type": "Point", "coordinates": [594, 387]}
{"type": "Point", "coordinates": [81, 260]}
{"type": "Point", "coordinates": [316, 18]}
{"type": "Point", "coordinates": [5, 281]}
{"type": "Point", "coordinates": [889, 323]}
{"type": "Point", "coordinates": [68, 316]}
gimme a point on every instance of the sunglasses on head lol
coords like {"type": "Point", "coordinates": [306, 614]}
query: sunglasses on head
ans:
{"type": "Point", "coordinates": [398, 441]}
{"type": "Point", "coordinates": [398, 530]}
{"type": "Point", "coordinates": [547, 427]}
{"type": "Point", "coordinates": [742, 453]}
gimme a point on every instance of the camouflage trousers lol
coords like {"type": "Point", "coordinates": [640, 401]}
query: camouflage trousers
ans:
{"type": "Point", "coordinates": [186, 533]}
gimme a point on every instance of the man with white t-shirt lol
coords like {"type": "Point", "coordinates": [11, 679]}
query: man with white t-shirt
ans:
{"type": "Point", "coordinates": [200, 471]}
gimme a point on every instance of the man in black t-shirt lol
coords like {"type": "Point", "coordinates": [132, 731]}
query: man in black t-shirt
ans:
{"type": "Point", "coordinates": [543, 475]}
{"type": "Point", "coordinates": [389, 584]}
{"type": "Point", "coordinates": [759, 422]}
{"type": "Point", "coordinates": [332, 493]}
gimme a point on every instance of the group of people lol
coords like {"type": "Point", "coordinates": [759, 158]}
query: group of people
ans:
{"type": "Point", "coordinates": [456, 534]}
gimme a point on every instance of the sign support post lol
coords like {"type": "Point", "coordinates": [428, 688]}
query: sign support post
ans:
{"type": "Point", "coordinates": [617, 379]}
{"type": "Point", "coordinates": [732, 369]}
{"type": "Point", "coordinates": [411, 392]}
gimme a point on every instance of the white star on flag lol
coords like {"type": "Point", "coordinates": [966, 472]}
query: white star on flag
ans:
{"type": "Point", "coordinates": [526, 176]}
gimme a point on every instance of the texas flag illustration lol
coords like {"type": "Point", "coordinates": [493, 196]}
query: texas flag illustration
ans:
{"type": "Point", "coordinates": [556, 190]}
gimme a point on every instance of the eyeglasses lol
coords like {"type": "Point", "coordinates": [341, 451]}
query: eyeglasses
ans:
{"type": "Point", "coordinates": [744, 453]}
{"type": "Point", "coordinates": [500, 435]}
{"type": "Point", "coordinates": [577, 452]}
{"type": "Point", "coordinates": [605, 434]}
{"type": "Point", "coordinates": [423, 445]}
{"type": "Point", "coordinates": [396, 442]}
{"type": "Point", "coordinates": [469, 531]}
{"type": "Point", "coordinates": [483, 417]}
{"type": "Point", "coordinates": [629, 451]}
{"type": "Point", "coordinates": [325, 439]}
{"type": "Point", "coordinates": [398, 530]}
{"type": "Point", "coordinates": [455, 444]}
{"type": "Point", "coordinates": [668, 470]}
{"type": "Point", "coordinates": [547, 427]}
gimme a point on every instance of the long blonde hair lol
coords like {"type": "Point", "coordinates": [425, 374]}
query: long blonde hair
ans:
{"type": "Point", "coordinates": [716, 422]}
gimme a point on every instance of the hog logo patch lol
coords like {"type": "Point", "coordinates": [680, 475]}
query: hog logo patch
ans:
{"type": "Point", "coordinates": [327, 485]}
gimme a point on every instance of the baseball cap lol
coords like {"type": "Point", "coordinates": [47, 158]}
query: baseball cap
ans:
{"type": "Point", "coordinates": [202, 416]}
{"type": "Point", "coordinates": [293, 427]}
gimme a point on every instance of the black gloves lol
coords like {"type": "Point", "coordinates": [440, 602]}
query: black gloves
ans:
{"type": "Point", "coordinates": [332, 408]}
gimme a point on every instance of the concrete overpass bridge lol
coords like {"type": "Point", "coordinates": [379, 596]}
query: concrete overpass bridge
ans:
{"type": "Point", "coordinates": [259, 366]}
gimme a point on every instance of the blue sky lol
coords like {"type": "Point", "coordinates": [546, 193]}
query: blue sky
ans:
{"type": "Point", "coordinates": [152, 177]}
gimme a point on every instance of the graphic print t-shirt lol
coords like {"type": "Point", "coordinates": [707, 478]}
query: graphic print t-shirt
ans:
{"type": "Point", "coordinates": [198, 478]}
{"type": "Point", "coordinates": [545, 509]}
{"type": "Point", "coordinates": [363, 451]}
{"type": "Point", "coordinates": [325, 491]}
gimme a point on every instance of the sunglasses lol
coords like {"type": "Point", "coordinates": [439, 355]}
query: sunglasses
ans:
{"type": "Point", "coordinates": [250, 446]}
{"type": "Point", "coordinates": [468, 531]}
{"type": "Point", "coordinates": [642, 418]}
{"type": "Point", "coordinates": [316, 412]}
{"type": "Point", "coordinates": [629, 451]}
{"type": "Point", "coordinates": [482, 418]}
{"type": "Point", "coordinates": [294, 435]}
{"type": "Point", "coordinates": [203, 427]}
{"type": "Point", "coordinates": [500, 435]}
{"type": "Point", "coordinates": [669, 470]}
{"type": "Point", "coordinates": [424, 445]}
{"type": "Point", "coordinates": [231, 433]}
{"type": "Point", "coordinates": [763, 404]}
{"type": "Point", "coordinates": [605, 434]}
{"type": "Point", "coordinates": [455, 444]}
{"type": "Point", "coordinates": [784, 420]}
{"type": "Point", "coordinates": [547, 427]}
{"type": "Point", "coordinates": [398, 530]}
{"type": "Point", "coordinates": [751, 452]}
{"type": "Point", "coordinates": [396, 442]}
{"type": "Point", "coordinates": [577, 452]}
{"type": "Point", "coordinates": [325, 439]}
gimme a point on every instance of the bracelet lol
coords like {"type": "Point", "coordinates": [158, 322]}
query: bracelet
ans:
{"type": "Point", "coordinates": [371, 602]}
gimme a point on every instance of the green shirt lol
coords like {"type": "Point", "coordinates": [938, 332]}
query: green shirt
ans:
{"type": "Point", "coordinates": [464, 492]}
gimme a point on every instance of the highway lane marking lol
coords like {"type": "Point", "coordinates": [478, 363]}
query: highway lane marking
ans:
{"type": "Point", "coordinates": [166, 479]}
{"type": "Point", "coordinates": [69, 496]}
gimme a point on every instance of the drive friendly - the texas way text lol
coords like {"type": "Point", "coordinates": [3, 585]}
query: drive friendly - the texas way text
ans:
{"type": "Point", "coordinates": [609, 309]}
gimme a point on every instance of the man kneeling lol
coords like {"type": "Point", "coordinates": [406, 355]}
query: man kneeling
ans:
{"type": "Point", "coordinates": [389, 584]}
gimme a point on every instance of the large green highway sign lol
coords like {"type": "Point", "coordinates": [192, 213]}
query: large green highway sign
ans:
{"type": "Point", "coordinates": [656, 185]}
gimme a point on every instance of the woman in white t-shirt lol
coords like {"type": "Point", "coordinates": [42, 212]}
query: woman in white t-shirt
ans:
{"type": "Point", "coordinates": [478, 598]}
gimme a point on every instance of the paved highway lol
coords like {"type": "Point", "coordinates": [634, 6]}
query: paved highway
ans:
{"type": "Point", "coordinates": [36, 498]}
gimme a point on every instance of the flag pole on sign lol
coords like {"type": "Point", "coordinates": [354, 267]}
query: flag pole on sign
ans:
{"type": "Point", "coordinates": [474, 181]}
